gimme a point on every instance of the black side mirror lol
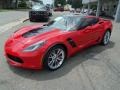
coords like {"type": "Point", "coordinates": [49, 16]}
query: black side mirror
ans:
{"type": "Point", "coordinates": [79, 28]}
{"type": "Point", "coordinates": [100, 22]}
{"type": "Point", "coordinates": [89, 28]}
{"type": "Point", "coordinates": [85, 27]}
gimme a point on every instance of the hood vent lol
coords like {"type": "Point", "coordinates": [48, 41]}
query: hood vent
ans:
{"type": "Point", "coordinates": [36, 31]}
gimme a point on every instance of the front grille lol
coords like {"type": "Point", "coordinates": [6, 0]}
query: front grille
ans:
{"type": "Point", "coordinates": [38, 12]}
{"type": "Point", "coordinates": [14, 58]}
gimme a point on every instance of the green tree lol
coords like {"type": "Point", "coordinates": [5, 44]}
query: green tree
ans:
{"type": "Point", "coordinates": [7, 4]}
{"type": "Point", "coordinates": [56, 3]}
{"type": "Point", "coordinates": [22, 4]}
{"type": "Point", "coordinates": [69, 2]}
{"type": "Point", "coordinates": [62, 2]}
{"type": "Point", "coordinates": [76, 4]}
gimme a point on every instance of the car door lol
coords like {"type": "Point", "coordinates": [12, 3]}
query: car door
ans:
{"type": "Point", "coordinates": [97, 28]}
{"type": "Point", "coordinates": [87, 32]}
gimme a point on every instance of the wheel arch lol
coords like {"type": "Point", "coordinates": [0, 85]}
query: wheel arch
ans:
{"type": "Point", "coordinates": [51, 46]}
{"type": "Point", "coordinates": [56, 44]}
{"type": "Point", "coordinates": [64, 46]}
{"type": "Point", "coordinates": [109, 29]}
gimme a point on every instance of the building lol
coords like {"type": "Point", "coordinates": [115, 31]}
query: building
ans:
{"type": "Point", "coordinates": [110, 7]}
{"type": "Point", "coordinates": [8, 4]}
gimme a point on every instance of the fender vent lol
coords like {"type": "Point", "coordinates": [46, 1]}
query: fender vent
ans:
{"type": "Point", "coordinates": [71, 42]}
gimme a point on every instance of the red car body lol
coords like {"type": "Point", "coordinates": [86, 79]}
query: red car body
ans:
{"type": "Point", "coordinates": [15, 45]}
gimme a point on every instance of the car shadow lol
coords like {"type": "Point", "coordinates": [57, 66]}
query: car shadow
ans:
{"type": "Point", "coordinates": [71, 63]}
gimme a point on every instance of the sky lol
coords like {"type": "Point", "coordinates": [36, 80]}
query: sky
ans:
{"type": "Point", "coordinates": [47, 1]}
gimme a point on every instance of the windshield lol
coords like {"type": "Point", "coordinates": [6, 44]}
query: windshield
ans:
{"type": "Point", "coordinates": [66, 22]}
{"type": "Point", "coordinates": [37, 7]}
{"type": "Point", "coordinates": [38, 4]}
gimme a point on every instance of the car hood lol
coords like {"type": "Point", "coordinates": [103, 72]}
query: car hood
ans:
{"type": "Point", "coordinates": [22, 36]}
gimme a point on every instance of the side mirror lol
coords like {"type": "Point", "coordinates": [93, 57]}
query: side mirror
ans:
{"type": "Point", "coordinates": [89, 27]}
{"type": "Point", "coordinates": [100, 22]}
{"type": "Point", "coordinates": [79, 28]}
{"type": "Point", "coordinates": [85, 27]}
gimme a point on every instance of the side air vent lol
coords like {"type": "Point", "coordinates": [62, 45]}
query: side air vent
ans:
{"type": "Point", "coordinates": [71, 42]}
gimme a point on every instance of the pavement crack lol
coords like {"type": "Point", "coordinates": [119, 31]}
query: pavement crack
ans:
{"type": "Point", "coordinates": [112, 67]}
{"type": "Point", "coordinates": [87, 82]}
{"type": "Point", "coordinates": [88, 77]}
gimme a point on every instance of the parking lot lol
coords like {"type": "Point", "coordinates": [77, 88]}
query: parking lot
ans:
{"type": "Point", "coordinates": [95, 68]}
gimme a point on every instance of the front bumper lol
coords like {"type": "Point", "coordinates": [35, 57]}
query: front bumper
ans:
{"type": "Point", "coordinates": [31, 60]}
{"type": "Point", "coordinates": [38, 15]}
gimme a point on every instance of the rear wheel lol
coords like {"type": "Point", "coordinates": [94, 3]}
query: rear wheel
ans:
{"type": "Point", "coordinates": [106, 38]}
{"type": "Point", "coordinates": [54, 58]}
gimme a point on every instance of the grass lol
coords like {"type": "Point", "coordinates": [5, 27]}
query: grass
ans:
{"type": "Point", "coordinates": [1, 10]}
{"type": "Point", "coordinates": [4, 10]}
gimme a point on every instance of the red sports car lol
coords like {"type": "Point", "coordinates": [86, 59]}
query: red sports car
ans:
{"type": "Point", "coordinates": [48, 45]}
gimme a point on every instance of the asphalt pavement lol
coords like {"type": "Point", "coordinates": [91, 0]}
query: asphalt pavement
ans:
{"type": "Point", "coordinates": [95, 68]}
{"type": "Point", "coordinates": [10, 16]}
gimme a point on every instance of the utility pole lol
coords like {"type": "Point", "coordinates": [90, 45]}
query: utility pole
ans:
{"type": "Point", "coordinates": [117, 16]}
{"type": "Point", "coordinates": [53, 3]}
{"type": "Point", "coordinates": [88, 8]}
{"type": "Point", "coordinates": [16, 4]}
{"type": "Point", "coordinates": [98, 8]}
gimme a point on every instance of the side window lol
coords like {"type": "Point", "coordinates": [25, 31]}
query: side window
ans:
{"type": "Point", "coordinates": [94, 21]}
{"type": "Point", "coordinates": [88, 22]}
{"type": "Point", "coordinates": [84, 23]}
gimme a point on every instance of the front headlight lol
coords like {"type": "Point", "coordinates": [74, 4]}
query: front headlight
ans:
{"type": "Point", "coordinates": [34, 47]}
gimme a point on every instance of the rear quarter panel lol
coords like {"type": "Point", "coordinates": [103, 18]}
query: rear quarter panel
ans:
{"type": "Point", "coordinates": [107, 24]}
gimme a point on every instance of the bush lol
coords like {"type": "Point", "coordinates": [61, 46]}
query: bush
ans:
{"type": "Point", "coordinates": [22, 5]}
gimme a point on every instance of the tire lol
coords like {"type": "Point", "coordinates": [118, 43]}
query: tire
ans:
{"type": "Point", "coordinates": [54, 58]}
{"type": "Point", "coordinates": [31, 20]}
{"type": "Point", "coordinates": [50, 14]}
{"type": "Point", "coordinates": [106, 38]}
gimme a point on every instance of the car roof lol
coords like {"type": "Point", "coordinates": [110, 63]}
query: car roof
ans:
{"type": "Point", "coordinates": [73, 15]}
{"type": "Point", "coordinates": [79, 15]}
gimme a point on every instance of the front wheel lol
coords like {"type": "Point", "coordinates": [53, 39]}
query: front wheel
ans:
{"type": "Point", "coordinates": [106, 38]}
{"type": "Point", "coordinates": [31, 19]}
{"type": "Point", "coordinates": [54, 58]}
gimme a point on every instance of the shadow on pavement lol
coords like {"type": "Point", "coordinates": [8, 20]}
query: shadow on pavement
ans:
{"type": "Point", "coordinates": [71, 63]}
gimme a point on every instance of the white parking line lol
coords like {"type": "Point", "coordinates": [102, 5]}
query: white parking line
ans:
{"type": "Point", "coordinates": [8, 26]}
